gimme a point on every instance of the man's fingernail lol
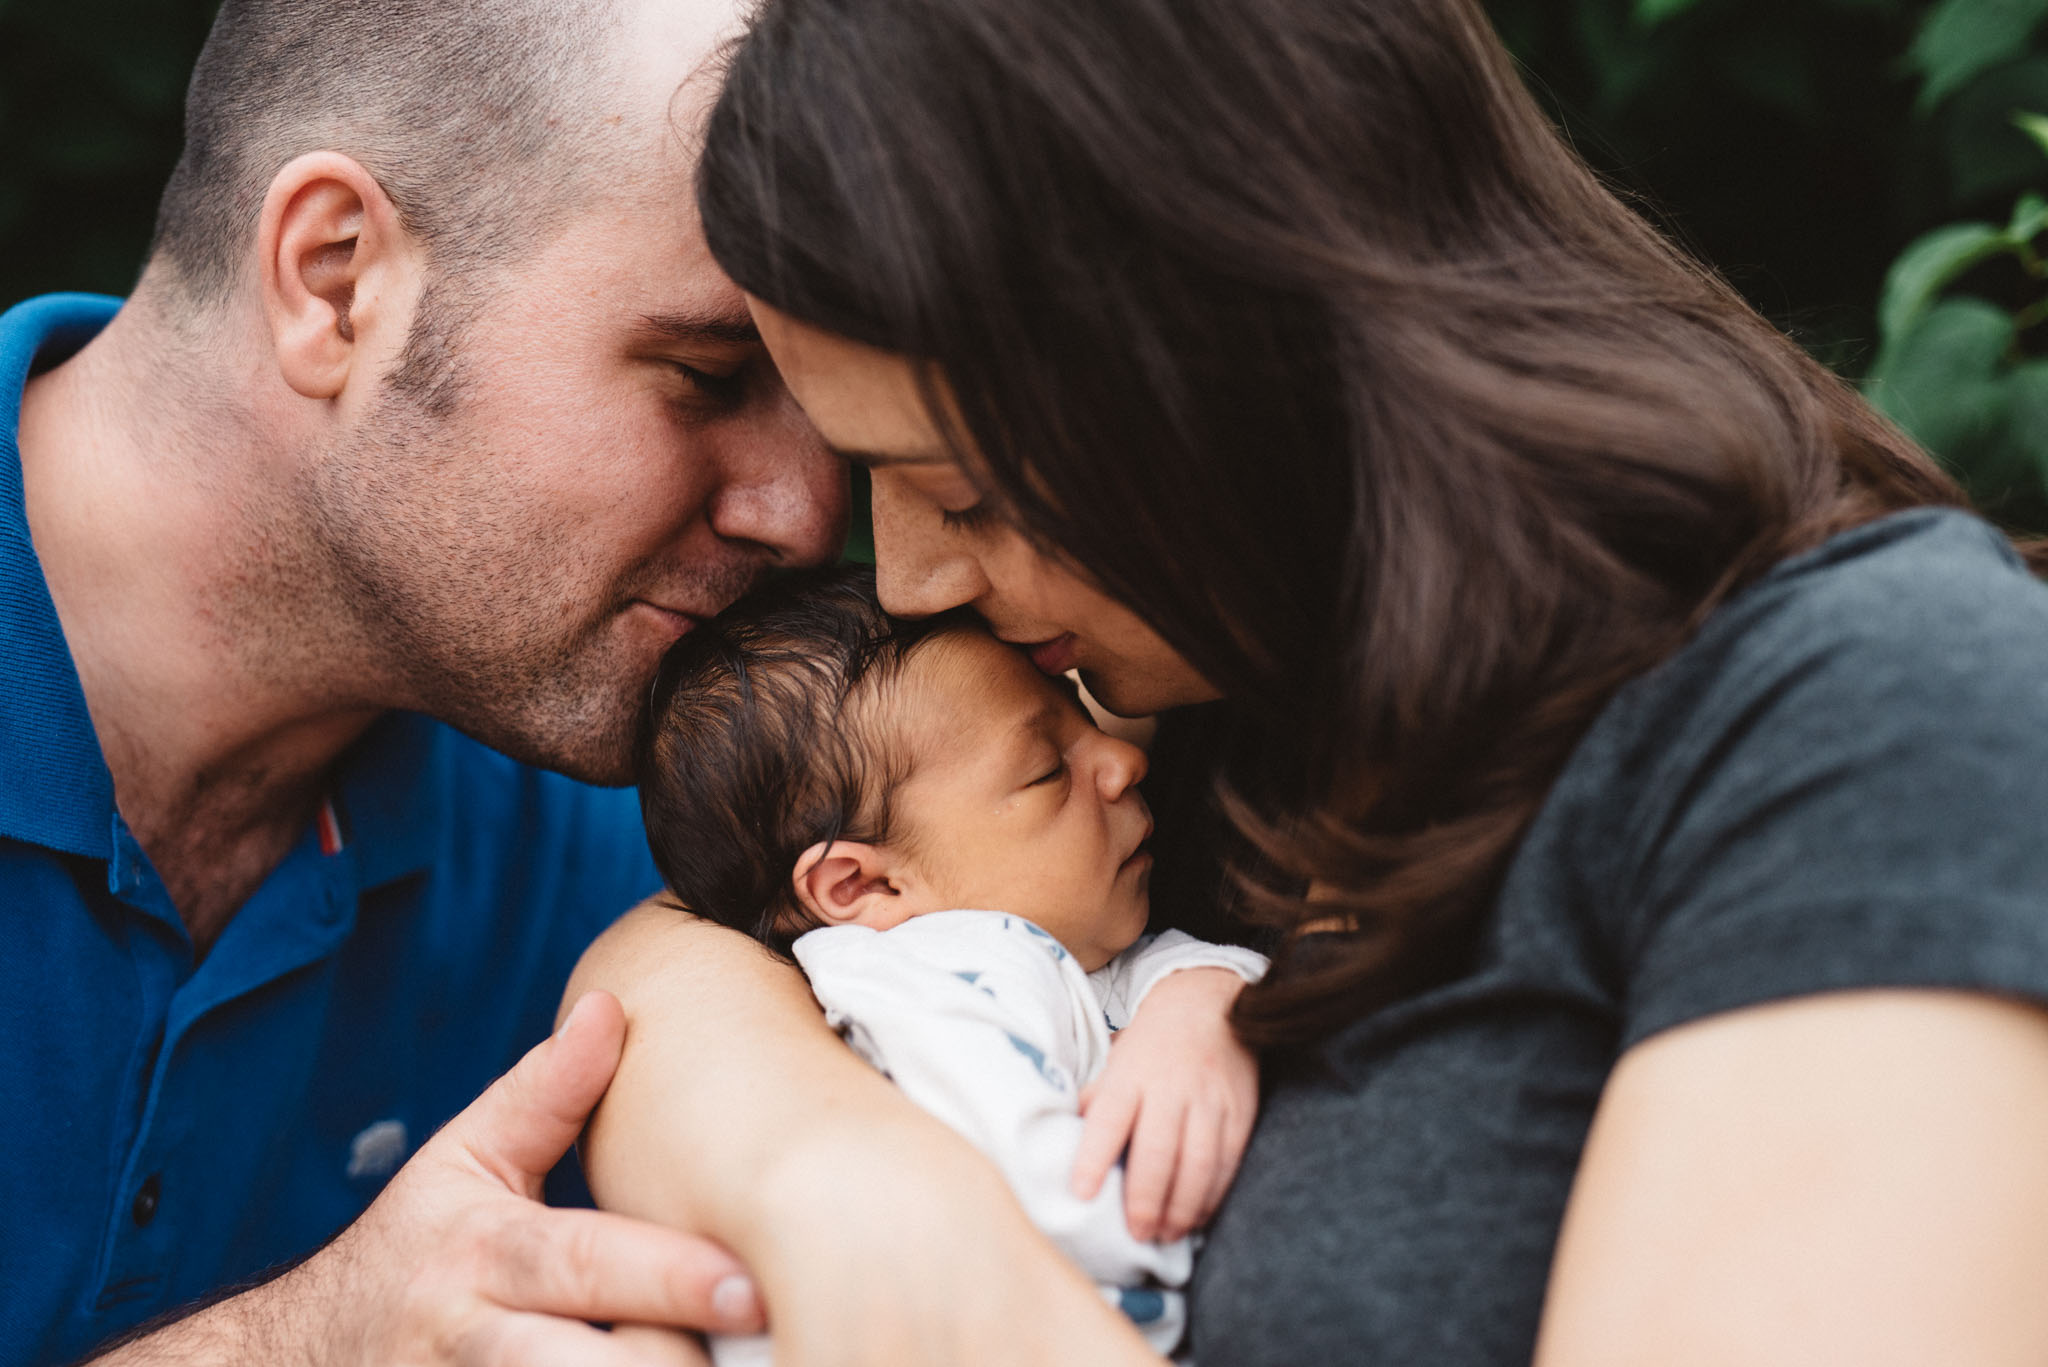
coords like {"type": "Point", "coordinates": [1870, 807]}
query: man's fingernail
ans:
{"type": "Point", "coordinates": [574, 1011]}
{"type": "Point", "coordinates": [734, 1300]}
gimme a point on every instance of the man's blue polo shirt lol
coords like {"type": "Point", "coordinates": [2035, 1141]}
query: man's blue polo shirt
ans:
{"type": "Point", "coordinates": [172, 1126]}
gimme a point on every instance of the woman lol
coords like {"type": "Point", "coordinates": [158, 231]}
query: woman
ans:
{"type": "Point", "coordinates": [1638, 767]}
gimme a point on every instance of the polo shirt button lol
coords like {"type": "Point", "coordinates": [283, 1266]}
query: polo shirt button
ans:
{"type": "Point", "coordinates": [144, 1209]}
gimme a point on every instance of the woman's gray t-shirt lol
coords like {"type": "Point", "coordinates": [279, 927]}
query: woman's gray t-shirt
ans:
{"type": "Point", "coordinates": [1840, 782]}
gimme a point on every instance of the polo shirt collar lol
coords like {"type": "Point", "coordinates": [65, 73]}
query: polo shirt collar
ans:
{"type": "Point", "coordinates": [395, 796]}
{"type": "Point", "coordinates": [55, 790]}
{"type": "Point", "coordinates": [390, 793]}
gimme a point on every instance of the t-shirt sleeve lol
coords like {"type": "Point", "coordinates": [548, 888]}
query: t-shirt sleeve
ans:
{"type": "Point", "coordinates": [1857, 799]}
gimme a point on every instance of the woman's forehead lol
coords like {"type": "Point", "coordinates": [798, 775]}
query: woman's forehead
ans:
{"type": "Point", "coordinates": [866, 403]}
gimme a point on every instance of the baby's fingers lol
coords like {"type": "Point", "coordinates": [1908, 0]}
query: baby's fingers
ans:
{"type": "Point", "coordinates": [1194, 1176]}
{"type": "Point", "coordinates": [1148, 1175]}
{"type": "Point", "coordinates": [1235, 1134]}
{"type": "Point", "coordinates": [1108, 1115]}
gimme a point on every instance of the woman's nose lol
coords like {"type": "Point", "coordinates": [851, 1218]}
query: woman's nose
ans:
{"type": "Point", "coordinates": [917, 573]}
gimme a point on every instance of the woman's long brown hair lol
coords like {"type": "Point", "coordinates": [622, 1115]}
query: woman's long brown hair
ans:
{"type": "Point", "coordinates": [1296, 326]}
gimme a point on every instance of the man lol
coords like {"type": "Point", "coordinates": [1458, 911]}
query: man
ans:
{"type": "Point", "coordinates": [429, 405]}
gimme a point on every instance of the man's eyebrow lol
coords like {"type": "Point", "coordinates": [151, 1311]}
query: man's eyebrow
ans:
{"type": "Point", "coordinates": [722, 329]}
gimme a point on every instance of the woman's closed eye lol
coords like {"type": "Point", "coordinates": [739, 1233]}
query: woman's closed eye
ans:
{"type": "Point", "coordinates": [967, 519]}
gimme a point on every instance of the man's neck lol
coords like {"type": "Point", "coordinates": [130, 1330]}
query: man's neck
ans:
{"type": "Point", "coordinates": [219, 723]}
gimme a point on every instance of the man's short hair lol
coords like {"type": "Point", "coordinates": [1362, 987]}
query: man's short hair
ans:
{"type": "Point", "coordinates": [473, 115]}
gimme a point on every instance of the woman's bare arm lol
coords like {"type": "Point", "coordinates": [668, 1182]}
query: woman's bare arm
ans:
{"type": "Point", "coordinates": [1857, 1177]}
{"type": "Point", "coordinates": [877, 1235]}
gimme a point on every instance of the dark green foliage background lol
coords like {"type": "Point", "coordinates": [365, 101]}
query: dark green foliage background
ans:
{"type": "Point", "coordinates": [1790, 142]}
{"type": "Point", "coordinates": [91, 93]}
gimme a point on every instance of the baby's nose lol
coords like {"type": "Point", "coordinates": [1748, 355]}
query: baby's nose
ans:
{"type": "Point", "coordinates": [1123, 766]}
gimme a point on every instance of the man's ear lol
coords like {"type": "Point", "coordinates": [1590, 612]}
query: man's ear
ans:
{"type": "Point", "coordinates": [337, 270]}
{"type": "Point", "coordinates": [851, 883]}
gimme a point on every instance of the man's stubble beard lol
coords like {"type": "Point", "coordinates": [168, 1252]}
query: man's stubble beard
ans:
{"type": "Point", "coordinates": [470, 604]}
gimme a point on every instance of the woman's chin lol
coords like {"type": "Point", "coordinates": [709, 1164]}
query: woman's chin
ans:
{"type": "Point", "coordinates": [1132, 695]}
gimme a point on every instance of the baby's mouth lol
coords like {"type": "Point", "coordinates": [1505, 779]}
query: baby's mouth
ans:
{"type": "Point", "coordinates": [1143, 850]}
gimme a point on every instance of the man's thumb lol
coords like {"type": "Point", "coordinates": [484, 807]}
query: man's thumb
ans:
{"type": "Point", "coordinates": [523, 1124]}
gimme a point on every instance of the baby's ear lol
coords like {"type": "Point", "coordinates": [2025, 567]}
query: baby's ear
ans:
{"type": "Point", "coordinates": [850, 883]}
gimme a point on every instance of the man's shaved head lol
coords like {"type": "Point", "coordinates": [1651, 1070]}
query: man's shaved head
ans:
{"type": "Point", "coordinates": [476, 116]}
{"type": "Point", "coordinates": [498, 428]}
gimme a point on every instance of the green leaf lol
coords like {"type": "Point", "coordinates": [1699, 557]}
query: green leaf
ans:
{"type": "Point", "coordinates": [1926, 266]}
{"type": "Point", "coordinates": [2018, 461]}
{"type": "Point", "coordinates": [860, 528]}
{"type": "Point", "coordinates": [1617, 54]}
{"type": "Point", "coordinates": [1989, 156]}
{"type": "Point", "coordinates": [1961, 38]}
{"type": "Point", "coordinates": [2033, 125]}
{"type": "Point", "coordinates": [2006, 470]}
{"type": "Point", "coordinates": [2029, 217]}
{"type": "Point", "coordinates": [1650, 13]}
{"type": "Point", "coordinates": [1942, 381]}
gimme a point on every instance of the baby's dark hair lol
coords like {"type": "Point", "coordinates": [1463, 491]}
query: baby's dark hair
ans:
{"type": "Point", "coordinates": [749, 753]}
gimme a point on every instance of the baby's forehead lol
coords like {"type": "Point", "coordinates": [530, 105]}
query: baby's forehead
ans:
{"type": "Point", "coordinates": [962, 697]}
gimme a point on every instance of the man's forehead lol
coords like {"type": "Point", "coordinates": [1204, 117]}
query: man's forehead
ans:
{"type": "Point", "coordinates": [645, 114]}
{"type": "Point", "coordinates": [668, 47]}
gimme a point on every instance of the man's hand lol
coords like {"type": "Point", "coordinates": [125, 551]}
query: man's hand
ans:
{"type": "Point", "coordinates": [1180, 1093]}
{"type": "Point", "coordinates": [457, 1261]}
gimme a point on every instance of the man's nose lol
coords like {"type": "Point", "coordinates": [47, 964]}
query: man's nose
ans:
{"type": "Point", "coordinates": [916, 572]}
{"type": "Point", "coordinates": [785, 492]}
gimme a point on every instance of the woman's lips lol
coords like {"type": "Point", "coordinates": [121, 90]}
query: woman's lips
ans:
{"type": "Point", "coordinates": [1055, 656]}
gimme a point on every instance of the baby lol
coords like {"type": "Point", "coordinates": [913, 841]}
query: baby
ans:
{"type": "Point", "coordinates": [956, 856]}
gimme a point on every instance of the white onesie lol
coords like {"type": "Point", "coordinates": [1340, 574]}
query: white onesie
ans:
{"type": "Point", "coordinates": [987, 1022]}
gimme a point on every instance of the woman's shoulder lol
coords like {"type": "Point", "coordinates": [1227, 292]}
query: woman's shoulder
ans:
{"type": "Point", "coordinates": [1924, 577]}
{"type": "Point", "coordinates": [1912, 586]}
{"type": "Point", "coordinates": [1842, 780]}
{"type": "Point", "coordinates": [1926, 617]}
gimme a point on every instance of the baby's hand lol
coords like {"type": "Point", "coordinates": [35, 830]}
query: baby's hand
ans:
{"type": "Point", "coordinates": [1181, 1093]}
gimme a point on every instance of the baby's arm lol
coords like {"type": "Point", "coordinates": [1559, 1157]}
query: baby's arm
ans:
{"type": "Point", "coordinates": [1179, 1092]}
{"type": "Point", "coordinates": [993, 1030]}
